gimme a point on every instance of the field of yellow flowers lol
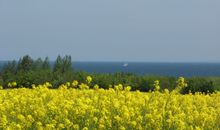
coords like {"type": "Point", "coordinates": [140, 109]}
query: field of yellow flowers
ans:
{"type": "Point", "coordinates": [75, 106]}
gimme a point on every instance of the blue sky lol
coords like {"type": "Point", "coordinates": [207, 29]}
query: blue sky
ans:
{"type": "Point", "coordinates": [111, 30]}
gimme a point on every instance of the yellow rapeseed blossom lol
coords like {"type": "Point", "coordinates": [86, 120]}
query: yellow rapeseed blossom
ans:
{"type": "Point", "coordinates": [96, 86]}
{"type": "Point", "coordinates": [117, 108]}
{"type": "Point", "coordinates": [9, 84]}
{"type": "Point", "coordinates": [67, 84]}
{"type": "Point", "coordinates": [88, 79]}
{"type": "Point", "coordinates": [75, 83]}
{"type": "Point", "coordinates": [47, 85]}
{"type": "Point", "coordinates": [128, 88]}
{"type": "Point", "coordinates": [83, 86]}
{"type": "Point", "coordinates": [14, 84]}
{"type": "Point", "coordinates": [180, 84]}
{"type": "Point", "coordinates": [156, 85]}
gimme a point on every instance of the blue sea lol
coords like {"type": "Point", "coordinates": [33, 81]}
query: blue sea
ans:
{"type": "Point", "coordinates": [149, 68]}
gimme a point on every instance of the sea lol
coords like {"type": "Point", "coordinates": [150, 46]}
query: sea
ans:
{"type": "Point", "coordinates": [148, 68]}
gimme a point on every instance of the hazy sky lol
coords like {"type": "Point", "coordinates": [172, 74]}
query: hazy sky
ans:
{"type": "Point", "coordinates": [111, 30]}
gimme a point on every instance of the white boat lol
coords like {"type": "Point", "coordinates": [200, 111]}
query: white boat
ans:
{"type": "Point", "coordinates": [125, 64]}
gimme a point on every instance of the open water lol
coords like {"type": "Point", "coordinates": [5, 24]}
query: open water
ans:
{"type": "Point", "coordinates": [148, 68]}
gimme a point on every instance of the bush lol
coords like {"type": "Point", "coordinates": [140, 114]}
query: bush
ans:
{"type": "Point", "coordinates": [197, 84]}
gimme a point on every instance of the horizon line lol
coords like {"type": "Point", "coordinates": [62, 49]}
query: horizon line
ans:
{"type": "Point", "coordinates": [105, 61]}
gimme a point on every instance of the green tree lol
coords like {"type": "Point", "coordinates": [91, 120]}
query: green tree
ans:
{"type": "Point", "coordinates": [38, 64]}
{"type": "Point", "coordinates": [67, 64]}
{"type": "Point", "coordinates": [63, 65]}
{"type": "Point", "coordinates": [46, 64]}
{"type": "Point", "coordinates": [8, 72]}
{"type": "Point", "coordinates": [58, 64]}
{"type": "Point", "coordinates": [25, 64]}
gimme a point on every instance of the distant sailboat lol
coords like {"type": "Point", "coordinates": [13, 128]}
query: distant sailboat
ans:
{"type": "Point", "coordinates": [125, 64]}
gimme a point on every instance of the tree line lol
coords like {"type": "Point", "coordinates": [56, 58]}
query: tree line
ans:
{"type": "Point", "coordinates": [27, 71]}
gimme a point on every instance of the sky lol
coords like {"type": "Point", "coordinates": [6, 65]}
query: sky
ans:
{"type": "Point", "coordinates": [111, 30]}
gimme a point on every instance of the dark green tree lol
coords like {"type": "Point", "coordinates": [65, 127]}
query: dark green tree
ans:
{"type": "Point", "coordinates": [46, 64]}
{"type": "Point", "coordinates": [63, 65]}
{"type": "Point", "coordinates": [25, 64]}
{"type": "Point", "coordinates": [38, 64]}
{"type": "Point", "coordinates": [58, 64]}
{"type": "Point", "coordinates": [67, 64]}
{"type": "Point", "coordinates": [11, 66]}
{"type": "Point", "coordinates": [8, 72]}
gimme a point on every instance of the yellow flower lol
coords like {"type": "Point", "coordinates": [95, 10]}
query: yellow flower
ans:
{"type": "Point", "coordinates": [118, 87]}
{"type": "Point", "coordinates": [18, 126]}
{"type": "Point", "coordinates": [30, 118]}
{"type": "Point", "coordinates": [75, 83]}
{"type": "Point", "coordinates": [95, 119]}
{"type": "Point", "coordinates": [39, 124]}
{"type": "Point", "coordinates": [9, 85]}
{"type": "Point", "coordinates": [133, 123]}
{"type": "Point", "coordinates": [12, 84]}
{"type": "Point", "coordinates": [75, 126]}
{"type": "Point", "coordinates": [33, 86]}
{"type": "Point", "coordinates": [83, 86]}
{"type": "Point", "coordinates": [122, 128]}
{"type": "Point", "coordinates": [156, 85]}
{"type": "Point", "coordinates": [47, 85]}
{"type": "Point", "coordinates": [128, 88]}
{"type": "Point", "coordinates": [101, 126]}
{"type": "Point", "coordinates": [61, 126]}
{"type": "Point", "coordinates": [180, 84]}
{"type": "Point", "coordinates": [68, 84]}
{"type": "Point", "coordinates": [47, 109]}
{"type": "Point", "coordinates": [85, 128]}
{"type": "Point", "coordinates": [3, 121]}
{"type": "Point", "coordinates": [96, 86]}
{"type": "Point", "coordinates": [88, 79]}
{"type": "Point", "coordinates": [21, 117]}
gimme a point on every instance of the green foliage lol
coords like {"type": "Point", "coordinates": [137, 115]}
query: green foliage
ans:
{"type": "Point", "coordinates": [38, 64]}
{"type": "Point", "coordinates": [24, 79]}
{"type": "Point", "coordinates": [25, 64]}
{"type": "Point", "coordinates": [1, 81]}
{"type": "Point", "coordinates": [58, 65]}
{"type": "Point", "coordinates": [62, 70]}
{"type": "Point", "coordinates": [198, 84]}
{"type": "Point", "coordinates": [216, 82]}
{"type": "Point", "coordinates": [63, 65]}
{"type": "Point", "coordinates": [28, 71]}
{"type": "Point", "coordinates": [46, 64]}
{"type": "Point", "coordinates": [8, 72]}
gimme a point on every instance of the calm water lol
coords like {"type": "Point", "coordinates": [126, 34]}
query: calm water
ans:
{"type": "Point", "coordinates": [168, 69]}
